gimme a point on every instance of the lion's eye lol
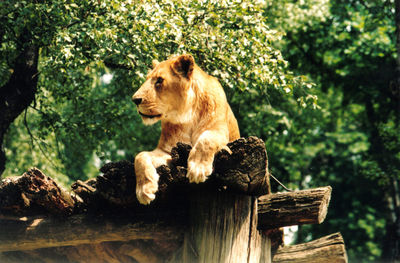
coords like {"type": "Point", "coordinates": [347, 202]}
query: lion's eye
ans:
{"type": "Point", "coordinates": [159, 81]}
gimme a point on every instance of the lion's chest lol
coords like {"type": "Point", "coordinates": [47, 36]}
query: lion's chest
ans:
{"type": "Point", "coordinates": [171, 134]}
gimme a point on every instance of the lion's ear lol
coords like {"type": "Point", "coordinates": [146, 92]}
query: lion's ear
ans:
{"type": "Point", "coordinates": [184, 65]}
{"type": "Point", "coordinates": [154, 63]}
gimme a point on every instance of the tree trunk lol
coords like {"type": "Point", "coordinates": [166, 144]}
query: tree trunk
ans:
{"type": "Point", "coordinates": [19, 92]}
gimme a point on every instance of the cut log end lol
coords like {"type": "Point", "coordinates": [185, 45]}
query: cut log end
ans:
{"type": "Point", "coordinates": [323, 208]}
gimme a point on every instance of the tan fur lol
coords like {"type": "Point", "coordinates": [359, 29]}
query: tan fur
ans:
{"type": "Point", "coordinates": [193, 109]}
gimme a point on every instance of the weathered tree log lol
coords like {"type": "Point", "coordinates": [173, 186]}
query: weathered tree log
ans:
{"type": "Point", "coordinates": [329, 249]}
{"type": "Point", "coordinates": [34, 193]}
{"type": "Point", "coordinates": [244, 170]}
{"type": "Point", "coordinates": [82, 229]}
{"type": "Point", "coordinates": [293, 208]}
{"type": "Point", "coordinates": [219, 226]}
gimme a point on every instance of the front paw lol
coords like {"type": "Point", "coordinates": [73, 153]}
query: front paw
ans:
{"type": "Point", "coordinates": [199, 171]}
{"type": "Point", "coordinates": [147, 187]}
{"type": "Point", "coordinates": [146, 193]}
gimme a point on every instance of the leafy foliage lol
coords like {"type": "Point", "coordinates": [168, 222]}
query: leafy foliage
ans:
{"type": "Point", "coordinates": [81, 117]}
{"type": "Point", "coordinates": [348, 50]}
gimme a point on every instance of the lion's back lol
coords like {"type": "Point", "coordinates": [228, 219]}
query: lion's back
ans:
{"type": "Point", "coordinates": [216, 101]}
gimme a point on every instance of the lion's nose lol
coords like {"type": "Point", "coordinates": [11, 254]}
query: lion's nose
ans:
{"type": "Point", "coordinates": [137, 101]}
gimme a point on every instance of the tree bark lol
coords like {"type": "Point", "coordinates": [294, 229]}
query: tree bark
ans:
{"type": "Point", "coordinates": [34, 193]}
{"type": "Point", "coordinates": [329, 249]}
{"type": "Point", "coordinates": [19, 92]}
{"type": "Point", "coordinates": [293, 208]}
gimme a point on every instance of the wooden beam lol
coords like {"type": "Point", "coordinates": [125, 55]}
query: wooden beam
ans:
{"type": "Point", "coordinates": [293, 208]}
{"type": "Point", "coordinates": [78, 230]}
{"type": "Point", "coordinates": [324, 250]}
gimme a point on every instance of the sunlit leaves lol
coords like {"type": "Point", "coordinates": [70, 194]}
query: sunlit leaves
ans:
{"type": "Point", "coordinates": [78, 113]}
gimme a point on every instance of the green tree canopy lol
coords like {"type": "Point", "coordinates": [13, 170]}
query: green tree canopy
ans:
{"type": "Point", "coordinates": [80, 114]}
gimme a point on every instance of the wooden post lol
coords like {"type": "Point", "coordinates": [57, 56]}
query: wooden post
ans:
{"type": "Point", "coordinates": [223, 228]}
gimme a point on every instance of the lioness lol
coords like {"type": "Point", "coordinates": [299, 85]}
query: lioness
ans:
{"type": "Point", "coordinates": [193, 109]}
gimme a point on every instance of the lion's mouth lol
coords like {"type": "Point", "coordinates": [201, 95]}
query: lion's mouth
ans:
{"type": "Point", "coordinates": [150, 116]}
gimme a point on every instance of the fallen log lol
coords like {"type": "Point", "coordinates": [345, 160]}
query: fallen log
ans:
{"type": "Point", "coordinates": [293, 208]}
{"type": "Point", "coordinates": [329, 249]}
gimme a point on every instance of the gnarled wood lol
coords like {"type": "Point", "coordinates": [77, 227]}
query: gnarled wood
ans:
{"type": "Point", "coordinates": [34, 193]}
{"type": "Point", "coordinates": [244, 170]}
{"type": "Point", "coordinates": [293, 208]}
{"type": "Point", "coordinates": [329, 249]}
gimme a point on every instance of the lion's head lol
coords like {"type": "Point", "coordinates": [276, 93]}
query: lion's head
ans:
{"type": "Point", "coordinates": [167, 94]}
